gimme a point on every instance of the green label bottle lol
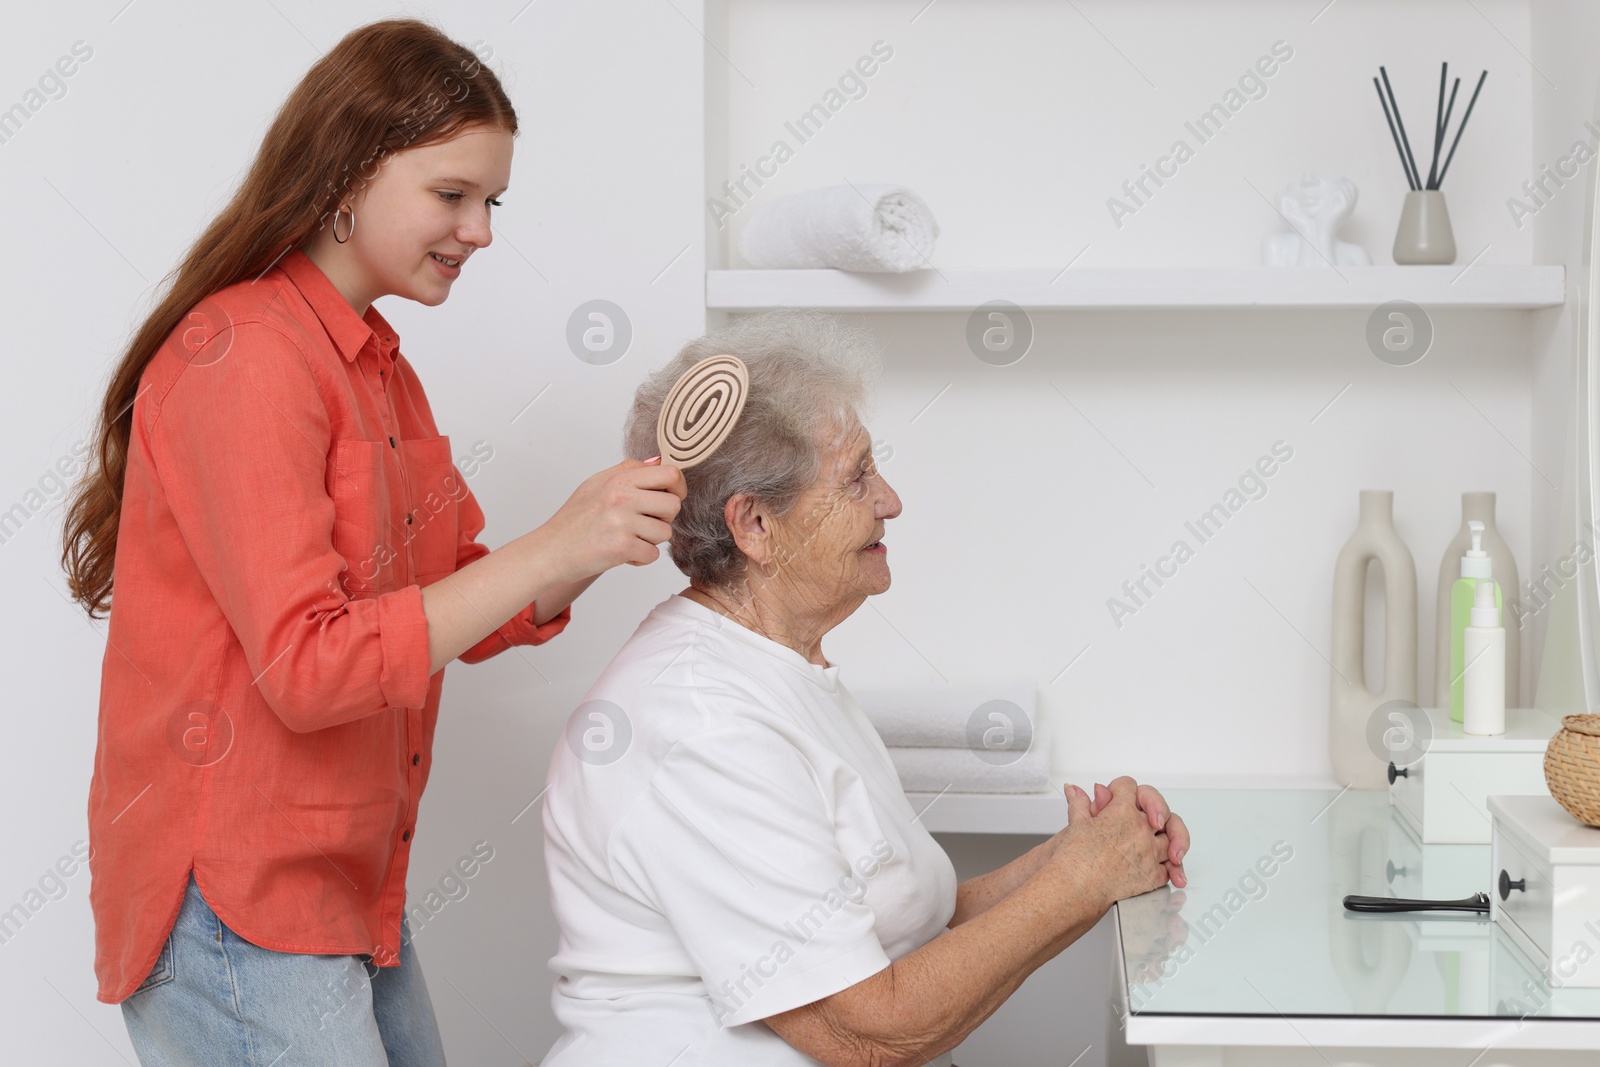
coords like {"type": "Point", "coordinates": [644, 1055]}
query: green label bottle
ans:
{"type": "Point", "coordinates": [1476, 567]}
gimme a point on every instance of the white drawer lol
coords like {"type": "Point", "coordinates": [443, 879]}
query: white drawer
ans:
{"type": "Point", "coordinates": [1405, 792]}
{"type": "Point", "coordinates": [1555, 915]}
{"type": "Point", "coordinates": [1442, 794]}
{"type": "Point", "coordinates": [1530, 907]}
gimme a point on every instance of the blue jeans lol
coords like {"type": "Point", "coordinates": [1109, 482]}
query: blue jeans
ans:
{"type": "Point", "coordinates": [214, 998]}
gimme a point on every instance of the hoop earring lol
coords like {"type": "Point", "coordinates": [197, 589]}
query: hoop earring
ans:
{"type": "Point", "coordinates": [352, 233]}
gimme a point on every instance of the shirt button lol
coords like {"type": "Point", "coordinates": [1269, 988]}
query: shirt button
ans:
{"type": "Point", "coordinates": [408, 518]}
{"type": "Point", "coordinates": [406, 836]}
{"type": "Point", "coordinates": [416, 758]}
{"type": "Point", "coordinates": [391, 442]}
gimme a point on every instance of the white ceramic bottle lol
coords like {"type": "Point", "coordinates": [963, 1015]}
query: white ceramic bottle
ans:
{"type": "Point", "coordinates": [1483, 651]}
{"type": "Point", "coordinates": [1375, 540]}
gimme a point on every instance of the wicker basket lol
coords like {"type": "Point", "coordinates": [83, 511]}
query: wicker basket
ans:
{"type": "Point", "coordinates": [1572, 767]}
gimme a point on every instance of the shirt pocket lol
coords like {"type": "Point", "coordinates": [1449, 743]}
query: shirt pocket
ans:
{"type": "Point", "coordinates": [437, 489]}
{"type": "Point", "coordinates": [361, 533]}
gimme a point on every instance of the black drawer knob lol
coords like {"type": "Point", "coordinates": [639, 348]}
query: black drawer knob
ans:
{"type": "Point", "coordinates": [1507, 885]}
{"type": "Point", "coordinates": [1397, 772]}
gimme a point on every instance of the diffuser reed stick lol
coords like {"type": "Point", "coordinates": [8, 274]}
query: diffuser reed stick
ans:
{"type": "Point", "coordinates": [1463, 126]}
{"type": "Point", "coordinates": [1405, 164]}
{"type": "Point", "coordinates": [1441, 124]}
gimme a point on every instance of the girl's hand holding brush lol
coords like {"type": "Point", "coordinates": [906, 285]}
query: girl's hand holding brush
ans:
{"type": "Point", "coordinates": [619, 515]}
{"type": "Point", "coordinates": [622, 513]}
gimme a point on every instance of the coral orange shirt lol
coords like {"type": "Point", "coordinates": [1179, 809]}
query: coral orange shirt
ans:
{"type": "Point", "coordinates": [266, 710]}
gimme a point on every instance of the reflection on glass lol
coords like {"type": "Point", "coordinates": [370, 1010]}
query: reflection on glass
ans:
{"type": "Point", "coordinates": [1262, 929]}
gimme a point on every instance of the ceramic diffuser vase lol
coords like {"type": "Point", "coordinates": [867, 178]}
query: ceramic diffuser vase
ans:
{"type": "Point", "coordinates": [1479, 506]}
{"type": "Point", "coordinates": [1424, 233]}
{"type": "Point", "coordinates": [1375, 540]}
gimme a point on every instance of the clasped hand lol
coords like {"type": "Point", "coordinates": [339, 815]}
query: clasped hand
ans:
{"type": "Point", "coordinates": [1167, 836]}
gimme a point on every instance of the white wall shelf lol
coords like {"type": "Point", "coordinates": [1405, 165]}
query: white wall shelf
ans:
{"type": "Point", "coordinates": [1104, 288]}
{"type": "Point", "coordinates": [991, 813]}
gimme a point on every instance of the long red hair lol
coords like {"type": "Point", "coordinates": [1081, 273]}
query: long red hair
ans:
{"type": "Point", "coordinates": [387, 86]}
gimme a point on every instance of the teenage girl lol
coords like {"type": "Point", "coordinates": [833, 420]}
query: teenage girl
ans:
{"type": "Point", "coordinates": [296, 561]}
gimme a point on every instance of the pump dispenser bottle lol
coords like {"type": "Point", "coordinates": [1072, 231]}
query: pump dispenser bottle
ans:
{"type": "Point", "coordinates": [1484, 676]}
{"type": "Point", "coordinates": [1478, 506]}
{"type": "Point", "coordinates": [1476, 569]}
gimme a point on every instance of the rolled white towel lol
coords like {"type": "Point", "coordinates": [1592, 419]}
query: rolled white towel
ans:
{"type": "Point", "coordinates": [941, 716]}
{"type": "Point", "coordinates": [930, 770]}
{"type": "Point", "coordinates": [882, 228]}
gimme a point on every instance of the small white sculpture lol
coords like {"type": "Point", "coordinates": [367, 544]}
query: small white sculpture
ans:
{"type": "Point", "coordinates": [1316, 207]}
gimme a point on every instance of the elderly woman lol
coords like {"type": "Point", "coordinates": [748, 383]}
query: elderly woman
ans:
{"type": "Point", "coordinates": [737, 875]}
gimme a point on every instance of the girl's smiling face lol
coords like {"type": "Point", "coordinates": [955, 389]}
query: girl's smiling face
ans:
{"type": "Point", "coordinates": [426, 202]}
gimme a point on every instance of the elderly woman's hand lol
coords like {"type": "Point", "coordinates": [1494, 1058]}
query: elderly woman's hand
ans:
{"type": "Point", "coordinates": [1117, 851]}
{"type": "Point", "coordinates": [1154, 805]}
{"type": "Point", "coordinates": [1162, 818]}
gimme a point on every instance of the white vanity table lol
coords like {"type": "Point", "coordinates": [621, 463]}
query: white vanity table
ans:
{"type": "Point", "coordinates": [1278, 972]}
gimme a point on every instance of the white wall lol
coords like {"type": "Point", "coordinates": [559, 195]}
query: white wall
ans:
{"type": "Point", "coordinates": [1022, 513]}
{"type": "Point", "coordinates": [1016, 122]}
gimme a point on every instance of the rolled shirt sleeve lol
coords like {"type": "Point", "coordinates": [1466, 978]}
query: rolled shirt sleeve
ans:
{"type": "Point", "coordinates": [240, 447]}
{"type": "Point", "coordinates": [733, 841]}
{"type": "Point", "coordinates": [518, 630]}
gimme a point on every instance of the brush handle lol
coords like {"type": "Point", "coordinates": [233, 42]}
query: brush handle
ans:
{"type": "Point", "coordinates": [1478, 902]}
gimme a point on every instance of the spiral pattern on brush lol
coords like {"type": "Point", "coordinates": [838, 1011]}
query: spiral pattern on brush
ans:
{"type": "Point", "coordinates": [701, 410]}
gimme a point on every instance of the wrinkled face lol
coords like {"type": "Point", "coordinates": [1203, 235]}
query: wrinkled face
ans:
{"type": "Point", "coordinates": [432, 199]}
{"type": "Point", "coordinates": [828, 551]}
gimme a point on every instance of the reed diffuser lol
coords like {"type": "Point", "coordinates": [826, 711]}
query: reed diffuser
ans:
{"type": "Point", "coordinates": [1424, 234]}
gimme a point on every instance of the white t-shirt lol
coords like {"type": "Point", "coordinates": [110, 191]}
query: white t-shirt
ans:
{"type": "Point", "coordinates": [726, 839]}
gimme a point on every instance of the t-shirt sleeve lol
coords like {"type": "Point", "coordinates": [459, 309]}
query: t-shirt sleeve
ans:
{"type": "Point", "coordinates": [733, 841]}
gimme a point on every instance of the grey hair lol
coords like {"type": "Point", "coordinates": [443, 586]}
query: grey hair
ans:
{"type": "Point", "coordinates": [810, 372]}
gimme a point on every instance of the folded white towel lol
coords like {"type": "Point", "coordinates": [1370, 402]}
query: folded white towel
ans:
{"type": "Point", "coordinates": [930, 770]}
{"type": "Point", "coordinates": [853, 227]}
{"type": "Point", "coordinates": [942, 716]}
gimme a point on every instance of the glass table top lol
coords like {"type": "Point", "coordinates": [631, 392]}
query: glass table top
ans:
{"type": "Point", "coordinates": [1262, 928]}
